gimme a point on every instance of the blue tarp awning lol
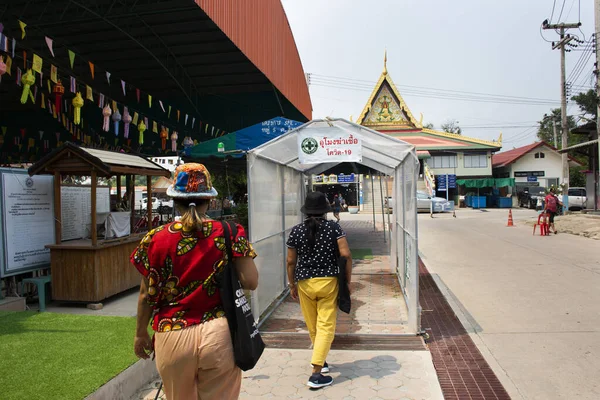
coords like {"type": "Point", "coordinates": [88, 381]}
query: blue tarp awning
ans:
{"type": "Point", "coordinates": [243, 140]}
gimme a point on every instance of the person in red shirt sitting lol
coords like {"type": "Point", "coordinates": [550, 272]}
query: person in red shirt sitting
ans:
{"type": "Point", "coordinates": [180, 263]}
{"type": "Point", "coordinates": [551, 207]}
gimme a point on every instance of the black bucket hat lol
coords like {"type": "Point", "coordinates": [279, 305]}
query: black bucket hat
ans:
{"type": "Point", "coordinates": [315, 204]}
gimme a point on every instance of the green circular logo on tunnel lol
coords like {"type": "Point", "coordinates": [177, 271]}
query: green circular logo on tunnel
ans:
{"type": "Point", "coordinates": [309, 146]}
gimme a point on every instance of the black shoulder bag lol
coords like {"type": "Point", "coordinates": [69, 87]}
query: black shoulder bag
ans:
{"type": "Point", "coordinates": [247, 343]}
{"type": "Point", "coordinates": [344, 302]}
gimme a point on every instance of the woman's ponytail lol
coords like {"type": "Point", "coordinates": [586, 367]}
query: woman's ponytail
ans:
{"type": "Point", "coordinates": [312, 223]}
{"type": "Point", "coordinates": [190, 219]}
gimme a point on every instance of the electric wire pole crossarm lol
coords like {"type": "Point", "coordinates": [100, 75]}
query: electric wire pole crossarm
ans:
{"type": "Point", "coordinates": [564, 40]}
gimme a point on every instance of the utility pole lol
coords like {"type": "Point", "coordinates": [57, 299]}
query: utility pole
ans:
{"type": "Point", "coordinates": [555, 134]}
{"type": "Point", "coordinates": [564, 39]}
{"type": "Point", "coordinates": [597, 24]}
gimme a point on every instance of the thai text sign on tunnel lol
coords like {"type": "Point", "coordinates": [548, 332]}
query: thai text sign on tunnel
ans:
{"type": "Point", "coordinates": [317, 148]}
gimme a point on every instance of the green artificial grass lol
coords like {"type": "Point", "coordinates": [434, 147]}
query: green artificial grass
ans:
{"type": "Point", "coordinates": [61, 356]}
{"type": "Point", "coordinates": [362, 254]}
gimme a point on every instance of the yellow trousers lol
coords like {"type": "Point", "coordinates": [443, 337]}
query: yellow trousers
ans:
{"type": "Point", "coordinates": [318, 300]}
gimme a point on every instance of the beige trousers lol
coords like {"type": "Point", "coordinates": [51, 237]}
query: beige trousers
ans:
{"type": "Point", "coordinates": [196, 363]}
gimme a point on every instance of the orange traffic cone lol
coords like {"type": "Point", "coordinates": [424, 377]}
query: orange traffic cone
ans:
{"type": "Point", "coordinates": [510, 219]}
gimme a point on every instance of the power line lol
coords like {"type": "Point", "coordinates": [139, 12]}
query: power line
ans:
{"type": "Point", "coordinates": [350, 80]}
{"type": "Point", "coordinates": [519, 136]}
{"type": "Point", "coordinates": [332, 80]}
{"type": "Point", "coordinates": [440, 96]}
{"type": "Point", "coordinates": [570, 9]}
{"type": "Point", "coordinates": [552, 15]}
{"type": "Point", "coordinates": [497, 127]}
{"type": "Point", "coordinates": [583, 65]}
{"type": "Point", "coordinates": [561, 10]}
{"type": "Point", "coordinates": [588, 49]}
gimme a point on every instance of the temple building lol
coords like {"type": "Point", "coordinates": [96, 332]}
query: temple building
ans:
{"type": "Point", "coordinates": [440, 153]}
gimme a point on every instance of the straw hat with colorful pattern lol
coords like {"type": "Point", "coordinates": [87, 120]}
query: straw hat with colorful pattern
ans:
{"type": "Point", "coordinates": [192, 180]}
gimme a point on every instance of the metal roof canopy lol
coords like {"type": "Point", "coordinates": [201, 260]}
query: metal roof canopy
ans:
{"type": "Point", "coordinates": [380, 152]}
{"type": "Point", "coordinates": [170, 49]}
{"type": "Point", "coordinates": [276, 189]}
{"type": "Point", "coordinates": [81, 161]}
{"type": "Point", "coordinates": [579, 145]}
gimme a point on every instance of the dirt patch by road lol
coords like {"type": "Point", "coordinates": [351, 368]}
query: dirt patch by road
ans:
{"type": "Point", "coordinates": [577, 224]}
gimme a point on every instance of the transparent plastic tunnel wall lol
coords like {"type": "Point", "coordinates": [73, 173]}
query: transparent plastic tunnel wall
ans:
{"type": "Point", "coordinates": [276, 191]}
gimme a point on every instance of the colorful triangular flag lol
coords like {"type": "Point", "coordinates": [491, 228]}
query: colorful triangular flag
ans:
{"type": "Point", "coordinates": [91, 68]}
{"type": "Point", "coordinates": [49, 43]}
{"type": "Point", "coordinates": [161, 105]}
{"type": "Point", "coordinates": [150, 101]}
{"type": "Point", "coordinates": [71, 58]}
{"type": "Point", "coordinates": [8, 65]}
{"type": "Point", "coordinates": [14, 45]}
{"type": "Point", "coordinates": [73, 85]}
{"type": "Point", "coordinates": [123, 87]}
{"type": "Point", "coordinates": [108, 77]}
{"type": "Point", "coordinates": [23, 25]}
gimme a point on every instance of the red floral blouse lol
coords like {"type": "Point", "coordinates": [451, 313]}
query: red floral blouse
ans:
{"type": "Point", "coordinates": [181, 269]}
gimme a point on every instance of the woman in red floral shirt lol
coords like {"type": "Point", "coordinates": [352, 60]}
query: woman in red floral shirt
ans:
{"type": "Point", "coordinates": [180, 263]}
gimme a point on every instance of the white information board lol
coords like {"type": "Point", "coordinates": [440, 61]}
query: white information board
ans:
{"type": "Point", "coordinates": [27, 220]}
{"type": "Point", "coordinates": [76, 205]}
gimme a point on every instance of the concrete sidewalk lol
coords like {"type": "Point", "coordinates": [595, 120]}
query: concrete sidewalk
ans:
{"type": "Point", "coordinates": [530, 303]}
{"type": "Point", "coordinates": [378, 308]}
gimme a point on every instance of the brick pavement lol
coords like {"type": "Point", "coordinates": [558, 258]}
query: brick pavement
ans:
{"type": "Point", "coordinates": [462, 371]}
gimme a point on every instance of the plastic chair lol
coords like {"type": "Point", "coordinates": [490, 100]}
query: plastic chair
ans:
{"type": "Point", "coordinates": [40, 282]}
{"type": "Point", "coordinates": [543, 224]}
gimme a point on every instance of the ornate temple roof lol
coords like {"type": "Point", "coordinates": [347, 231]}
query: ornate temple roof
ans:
{"type": "Point", "coordinates": [387, 112]}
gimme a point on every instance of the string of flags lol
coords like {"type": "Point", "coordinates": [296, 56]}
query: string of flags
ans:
{"type": "Point", "coordinates": [28, 77]}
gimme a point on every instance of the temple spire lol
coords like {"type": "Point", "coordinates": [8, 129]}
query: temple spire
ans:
{"type": "Point", "coordinates": [385, 62]}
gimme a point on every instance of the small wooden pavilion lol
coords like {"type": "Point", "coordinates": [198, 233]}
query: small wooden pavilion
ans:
{"type": "Point", "coordinates": [89, 269]}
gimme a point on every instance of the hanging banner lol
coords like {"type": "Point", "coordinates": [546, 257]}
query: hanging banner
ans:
{"type": "Point", "coordinates": [316, 146]}
{"type": "Point", "coordinates": [53, 73]}
{"type": "Point", "coordinates": [37, 64]}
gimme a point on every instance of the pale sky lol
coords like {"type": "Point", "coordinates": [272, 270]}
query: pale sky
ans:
{"type": "Point", "coordinates": [483, 46]}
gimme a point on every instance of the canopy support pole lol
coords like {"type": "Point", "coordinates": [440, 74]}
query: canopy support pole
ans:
{"type": "Point", "coordinates": [387, 191]}
{"type": "Point", "coordinates": [373, 199]}
{"type": "Point", "coordinates": [57, 209]}
{"type": "Point", "coordinates": [118, 177]}
{"type": "Point", "coordinates": [93, 208]}
{"type": "Point", "coordinates": [131, 188]}
{"type": "Point", "coordinates": [149, 204]}
{"type": "Point", "coordinates": [382, 206]}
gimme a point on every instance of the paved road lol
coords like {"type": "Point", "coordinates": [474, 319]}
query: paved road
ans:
{"type": "Point", "coordinates": [531, 303]}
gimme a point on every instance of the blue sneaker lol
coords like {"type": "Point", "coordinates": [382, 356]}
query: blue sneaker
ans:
{"type": "Point", "coordinates": [317, 381]}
